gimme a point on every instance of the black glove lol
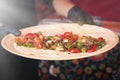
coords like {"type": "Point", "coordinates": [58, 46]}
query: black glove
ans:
{"type": "Point", "coordinates": [5, 29]}
{"type": "Point", "coordinates": [49, 2]}
{"type": "Point", "coordinates": [77, 15]}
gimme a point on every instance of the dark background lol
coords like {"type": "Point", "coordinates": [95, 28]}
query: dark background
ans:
{"type": "Point", "coordinates": [16, 14]}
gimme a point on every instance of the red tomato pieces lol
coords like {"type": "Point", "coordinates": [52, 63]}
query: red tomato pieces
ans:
{"type": "Point", "coordinates": [94, 48]}
{"type": "Point", "coordinates": [74, 50]}
{"type": "Point", "coordinates": [75, 37]}
{"type": "Point", "coordinates": [34, 39]}
{"type": "Point", "coordinates": [35, 35]}
{"type": "Point", "coordinates": [100, 39]}
{"type": "Point", "coordinates": [70, 36]}
{"type": "Point", "coordinates": [67, 35]}
{"type": "Point", "coordinates": [31, 35]}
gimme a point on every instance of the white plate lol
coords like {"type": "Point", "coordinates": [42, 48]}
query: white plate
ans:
{"type": "Point", "coordinates": [8, 42]}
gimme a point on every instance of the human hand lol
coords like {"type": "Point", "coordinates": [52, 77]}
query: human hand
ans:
{"type": "Point", "coordinates": [77, 15]}
{"type": "Point", "coordinates": [5, 29]}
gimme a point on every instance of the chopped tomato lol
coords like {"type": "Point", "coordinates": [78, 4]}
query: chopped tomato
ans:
{"type": "Point", "coordinates": [75, 37]}
{"type": "Point", "coordinates": [100, 39]}
{"type": "Point", "coordinates": [67, 34]}
{"type": "Point", "coordinates": [74, 50]}
{"type": "Point", "coordinates": [23, 40]}
{"type": "Point", "coordinates": [29, 35]}
{"type": "Point", "coordinates": [35, 35]}
{"type": "Point", "coordinates": [94, 48]}
{"type": "Point", "coordinates": [29, 40]}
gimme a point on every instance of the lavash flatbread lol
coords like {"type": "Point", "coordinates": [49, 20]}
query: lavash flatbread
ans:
{"type": "Point", "coordinates": [52, 29]}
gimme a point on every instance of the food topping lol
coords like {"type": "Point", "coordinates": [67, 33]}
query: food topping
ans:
{"type": "Point", "coordinates": [67, 41]}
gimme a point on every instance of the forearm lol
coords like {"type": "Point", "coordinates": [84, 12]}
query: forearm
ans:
{"type": "Point", "coordinates": [62, 7]}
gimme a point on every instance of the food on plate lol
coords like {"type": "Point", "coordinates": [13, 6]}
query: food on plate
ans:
{"type": "Point", "coordinates": [66, 41]}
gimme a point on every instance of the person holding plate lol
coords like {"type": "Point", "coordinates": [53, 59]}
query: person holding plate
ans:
{"type": "Point", "coordinates": [99, 67]}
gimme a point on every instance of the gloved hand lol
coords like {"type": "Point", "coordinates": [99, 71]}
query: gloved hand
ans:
{"type": "Point", "coordinates": [77, 15]}
{"type": "Point", "coordinates": [5, 29]}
